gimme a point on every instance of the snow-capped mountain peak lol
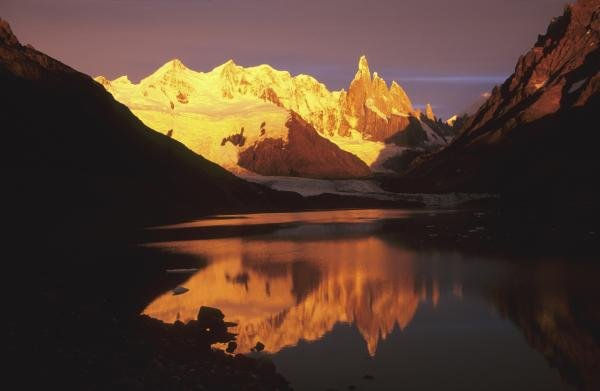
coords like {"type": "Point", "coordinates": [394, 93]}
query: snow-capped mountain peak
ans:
{"type": "Point", "coordinates": [363, 67]}
{"type": "Point", "coordinates": [206, 109]}
{"type": "Point", "coordinates": [122, 80]}
{"type": "Point", "coordinates": [173, 65]}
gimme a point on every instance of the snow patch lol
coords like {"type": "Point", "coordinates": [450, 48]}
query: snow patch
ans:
{"type": "Point", "coordinates": [363, 188]}
{"type": "Point", "coordinates": [446, 200]}
{"type": "Point", "coordinates": [575, 86]}
{"type": "Point", "coordinates": [400, 113]}
{"type": "Point", "coordinates": [371, 106]}
{"type": "Point", "coordinates": [367, 150]}
{"type": "Point", "coordinates": [312, 187]}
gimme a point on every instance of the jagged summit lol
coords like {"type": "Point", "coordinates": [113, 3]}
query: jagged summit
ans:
{"type": "Point", "coordinates": [172, 66]}
{"type": "Point", "coordinates": [176, 64]}
{"type": "Point", "coordinates": [173, 74]}
{"type": "Point", "coordinates": [535, 135]}
{"type": "Point", "coordinates": [429, 112]}
{"type": "Point", "coordinates": [363, 64]}
{"type": "Point", "coordinates": [229, 67]}
{"type": "Point", "coordinates": [188, 102]}
{"type": "Point", "coordinates": [122, 79]}
{"type": "Point", "coordinates": [452, 120]}
{"type": "Point", "coordinates": [400, 96]}
{"type": "Point", "coordinates": [107, 83]}
{"type": "Point", "coordinates": [227, 64]}
{"type": "Point", "coordinates": [363, 73]}
{"type": "Point", "coordinates": [380, 112]}
{"type": "Point", "coordinates": [104, 81]}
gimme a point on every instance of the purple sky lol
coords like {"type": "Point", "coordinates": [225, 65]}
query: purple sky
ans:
{"type": "Point", "coordinates": [447, 52]}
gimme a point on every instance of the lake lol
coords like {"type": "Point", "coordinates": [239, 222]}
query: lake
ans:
{"type": "Point", "coordinates": [341, 301]}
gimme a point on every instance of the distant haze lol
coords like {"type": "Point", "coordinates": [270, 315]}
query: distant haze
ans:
{"type": "Point", "coordinates": [444, 52]}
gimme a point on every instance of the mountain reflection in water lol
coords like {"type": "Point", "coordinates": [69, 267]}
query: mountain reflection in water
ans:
{"type": "Point", "coordinates": [280, 292]}
{"type": "Point", "coordinates": [306, 276]}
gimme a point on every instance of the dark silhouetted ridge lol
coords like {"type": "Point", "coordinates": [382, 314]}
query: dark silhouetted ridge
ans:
{"type": "Point", "coordinates": [69, 148]}
{"type": "Point", "coordinates": [535, 140]}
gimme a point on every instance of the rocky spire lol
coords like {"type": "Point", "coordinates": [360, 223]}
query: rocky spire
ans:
{"type": "Point", "coordinates": [379, 85]}
{"type": "Point", "coordinates": [363, 64]}
{"type": "Point", "coordinates": [363, 72]}
{"type": "Point", "coordinates": [359, 89]}
{"type": "Point", "coordinates": [400, 98]}
{"type": "Point", "coordinates": [429, 112]}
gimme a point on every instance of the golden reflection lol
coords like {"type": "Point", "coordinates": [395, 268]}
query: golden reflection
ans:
{"type": "Point", "coordinates": [310, 217]}
{"type": "Point", "coordinates": [283, 291]}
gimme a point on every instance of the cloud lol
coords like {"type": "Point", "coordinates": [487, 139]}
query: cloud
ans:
{"type": "Point", "coordinates": [453, 79]}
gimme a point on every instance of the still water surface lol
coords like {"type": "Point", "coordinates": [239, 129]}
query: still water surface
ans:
{"type": "Point", "coordinates": [339, 301]}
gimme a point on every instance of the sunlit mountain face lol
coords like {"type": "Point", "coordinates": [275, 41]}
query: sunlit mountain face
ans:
{"type": "Point", "coordinates": [236, 115]}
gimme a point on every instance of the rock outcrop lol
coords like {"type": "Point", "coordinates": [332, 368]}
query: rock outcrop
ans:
{"type": "Point", "coordinates": [6, 35]}
{"type": "Point", "coordinates": [560, 72]}
{"type": "Point", "coordinates": [429, 112]}
{"type": "Point", "coordinates": [371, 108]}
{"type": "Point", "coordinates": [305, 154]}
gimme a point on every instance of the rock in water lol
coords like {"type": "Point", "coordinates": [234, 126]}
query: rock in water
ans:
{"type": "Point", "coordinates": [259, 347]}
{"type": "Point", "coordinates": [180, 290]}
{"type": "Point", "coordinates": [182, 271]}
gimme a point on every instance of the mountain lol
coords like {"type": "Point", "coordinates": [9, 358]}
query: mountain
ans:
{"type": "Point", "coordinates": [457, 121]}
{"type": "Point", "coordinates": [473, 108]}
{"type": "Point", "coordinates": [452, 120]}
{"type": "Point", "coordinates": [222, 113]}
{"type": "Point", "coordinates": [70, 147]}
{"type": "Point", "coordinates": [534, 140]}
{"type": "Point", "coordinates": [232, 109]}
{"type": "Point", "coordinates": [306, 154]}
{"type": "Point", "coordinates": [373, 109]}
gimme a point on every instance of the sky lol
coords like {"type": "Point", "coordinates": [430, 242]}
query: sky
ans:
{"type": "Point", "coordinates": [447, 52]}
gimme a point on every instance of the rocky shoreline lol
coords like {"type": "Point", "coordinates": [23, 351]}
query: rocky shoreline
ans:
{"type": "Point", "coordinates": [180, 357]}
{"type": "Point", "coordinates": [76, 323]}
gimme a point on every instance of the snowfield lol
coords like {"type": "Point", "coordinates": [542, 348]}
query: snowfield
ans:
{"type": "Point", "coordinates": [361, 188]}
